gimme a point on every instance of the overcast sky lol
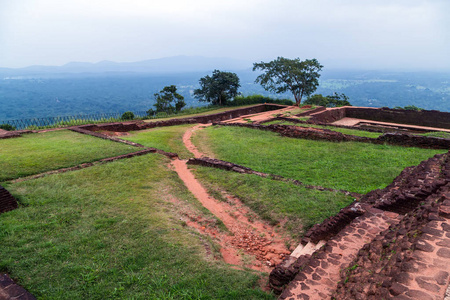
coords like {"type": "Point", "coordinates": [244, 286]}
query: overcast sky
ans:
{"type": "Point", "coordinates": [386, 34]}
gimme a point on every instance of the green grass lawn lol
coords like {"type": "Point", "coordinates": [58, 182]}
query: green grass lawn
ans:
{"type": "Point", "coordinates": [274, 200]}
{"type": "Point", "coordinates": [164, 138]}
{"type": "Point", "coordinates": [40, 152]}
{"type": "Point", "coordinates": [108, 232]}
{"type": "Point", "coordinates": [356, 167]}
{"type": "Point", "coordinates": [337, 129]}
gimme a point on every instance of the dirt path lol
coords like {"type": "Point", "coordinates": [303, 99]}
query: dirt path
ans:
{"type": "Point", "coordinates": [187, 140]}
{"type": "Point", "coordinates": [251, 243]}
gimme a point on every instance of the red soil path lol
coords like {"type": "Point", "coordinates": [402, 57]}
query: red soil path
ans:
{"type": "Point", "coordinates": [251, 243]}
{"type": "Point", "coordinates": [188, 143]}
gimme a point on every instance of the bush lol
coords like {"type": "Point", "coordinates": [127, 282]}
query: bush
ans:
{"type": "Point", "coordinates": [7, 127]}
{"type": "Point", "coordinates": [128, 115]}
{"type": "Point", "coordinates": [255, 99]}
{"type": "Point", "coordinates": [335, 100]}
{"type": "Point", "coordinates": [409, 107]}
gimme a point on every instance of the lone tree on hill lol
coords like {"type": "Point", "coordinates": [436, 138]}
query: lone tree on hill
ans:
{"type": "Point", "coordinates": [218, 88]}
{"type": "Point", "coordinates": [168, 100]}
{"type": "Point", "coordinates": [284, 74]}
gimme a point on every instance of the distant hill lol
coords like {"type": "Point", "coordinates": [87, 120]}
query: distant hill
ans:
{"type": "Point", "coordinates": [175, 64]}
{"type": "Point", "coordinates": [86, 88]}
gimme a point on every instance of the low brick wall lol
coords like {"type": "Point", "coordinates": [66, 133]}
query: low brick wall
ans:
{"type": "Point", "coordinates": [309, 112]}
{"type": "Point", "coordinates": [83, 130]}
{"type": "Point", "coordinates": [7, 201]}
{"type": "Point", "coordinates": [302, 132]}
{"type": "Point", "coordinates": [332, 225]}
{"type": "Point", "coordinates": [428, 118]}
{"type": "Point", "coordinates": [11, 290]}
{"type": "Point", "coordinates": [8, 134]}
{"type": "Point", "coordinates": [398, 139]}
{"type": "Point", "coordinates": [408, 140]}
{"type": "Point", "coordinates": [329, 116]}
{"type": "Point", "coordinates": [140, 125]}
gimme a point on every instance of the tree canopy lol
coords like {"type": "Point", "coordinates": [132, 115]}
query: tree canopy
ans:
{"type": "Point", "coordinates": [284, 74]}
{"type": "Point", "coordinates": [328, 101]}
{"type": "Point", "coordinates": [168, 100]}
{"type": "Point", "coordinates": [218, 88]}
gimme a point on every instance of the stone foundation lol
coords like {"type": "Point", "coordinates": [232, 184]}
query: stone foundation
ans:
{"type": "Point", "coordinates": [417, 208]}
{"type": "Point", "coordinates": [428, 118]}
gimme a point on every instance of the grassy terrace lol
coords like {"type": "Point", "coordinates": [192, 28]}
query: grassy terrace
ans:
{"type": "Point", "coordinates": [164, 138]}
{"type": "Point", "coordinates": [440, 134]}
{"type": "Point", "coordinates": [110, 232]}
{"type": "Point", "coordinates": [356, 167]}
{"type": "Point", "coordinates": [337, 129]}
{"type": "Point", "coordinates": [275, 201]}
{"type": "Point", "coordinates": [40, 152]}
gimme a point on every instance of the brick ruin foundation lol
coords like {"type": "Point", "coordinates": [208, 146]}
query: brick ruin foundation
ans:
{"type": "Point", "coordinates": [428, 118]}
{"type": "Point", "coordinates": [10, 290]}
{"type": "Point", "coordinates": [7, 201]}
{"type": "Point", "coordinates": [205, 119]}
{"type": "Point", "coordinates": [400, 237]}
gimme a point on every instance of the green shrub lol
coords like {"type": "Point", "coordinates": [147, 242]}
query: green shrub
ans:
{"type": "Point", "coordinates": [409, 107]}
{"type": "Point", "coordinates": [335, 100]}
{"type": "Point", "coordinates": [255, 99]}
{"type": "Point", "coordinates": [128, 115]}
{"type": "Point", "coordinates": [7, 127]}
{"type": "Point", "coordinates": [162, 114]}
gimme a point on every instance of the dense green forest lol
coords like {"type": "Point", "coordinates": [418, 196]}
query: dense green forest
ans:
{"type": "Point", "coordinates": [24, 97]}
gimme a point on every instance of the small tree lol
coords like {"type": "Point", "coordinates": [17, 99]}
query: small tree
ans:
{"type": "Point", "coordinates": [218, 88]}
{"type": "Point", "coordinates": [128, 115]}
{"type": "Point", "coordinates": [283, 74]}
{"type": "Point", "coordinates": [7, 127]}
{"type": "Point", "coordinates": [168, 100]}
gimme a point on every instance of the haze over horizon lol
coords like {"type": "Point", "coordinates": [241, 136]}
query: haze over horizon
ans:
{"type": "Point", "coordinates": [402, 35]}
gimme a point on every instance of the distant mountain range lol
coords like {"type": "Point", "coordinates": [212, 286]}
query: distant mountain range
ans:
{"type": "Point", "coordinates": [103, 87]}
{"type": "Point", "coordinates": [167, 65]}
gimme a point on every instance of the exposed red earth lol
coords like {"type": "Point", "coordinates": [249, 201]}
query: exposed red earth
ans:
{"type": "Point", "coordinates": [250, 242]}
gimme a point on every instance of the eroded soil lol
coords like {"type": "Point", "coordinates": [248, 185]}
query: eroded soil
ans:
{"type": "Point", "coordinates": [250, 242]}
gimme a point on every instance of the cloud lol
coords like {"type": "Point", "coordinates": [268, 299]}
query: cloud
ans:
{"type": "Point", "coordinates": [343, 33]}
